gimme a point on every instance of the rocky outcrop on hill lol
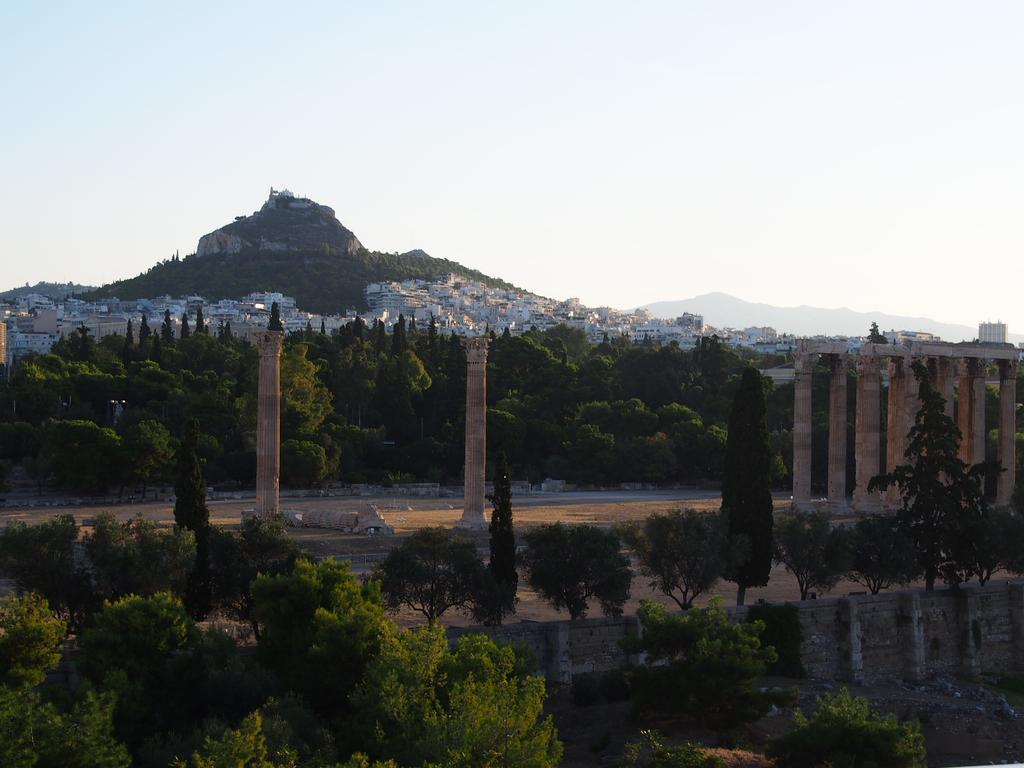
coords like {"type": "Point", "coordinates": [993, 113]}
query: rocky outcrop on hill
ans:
{"type": "Point", "coordinates": [292, 245]}
{"type": "Point", "coordinates": [284, 224]}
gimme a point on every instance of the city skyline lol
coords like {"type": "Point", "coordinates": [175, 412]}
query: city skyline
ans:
{"type": "Point", "coordinates": [623, 159]}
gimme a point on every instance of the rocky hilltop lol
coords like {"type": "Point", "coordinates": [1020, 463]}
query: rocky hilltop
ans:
{"type": "Point", "coordinates": [292, 245]}
{"type": "Point", "coordinates": [284, 224]}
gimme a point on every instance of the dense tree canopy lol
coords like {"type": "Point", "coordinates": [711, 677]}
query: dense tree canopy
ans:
{"type": "Point", "coordinates": [359, 406]}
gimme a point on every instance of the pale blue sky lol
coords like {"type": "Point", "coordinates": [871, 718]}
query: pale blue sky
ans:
{"type": "Point", "coordinates": [867, 154]}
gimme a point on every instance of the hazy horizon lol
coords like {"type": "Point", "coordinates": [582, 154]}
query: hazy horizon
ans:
{"type": "Point", "coordinates": [791, 154]}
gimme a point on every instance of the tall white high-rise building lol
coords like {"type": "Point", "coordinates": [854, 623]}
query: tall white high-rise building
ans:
{"type": "Point", "coordinates": [992, 332]}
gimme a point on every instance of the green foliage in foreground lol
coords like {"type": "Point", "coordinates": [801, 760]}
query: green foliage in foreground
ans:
{"type": "Point", "coordinates": [30, 637]}
{"type": "Point", "coordinates": [467, 707]}
{"type": "Point", "coordinates": [35, 734]}
{"type": "Point", "coordinates": [844, 733]}
{"type": "Point", "coordinates": [702, 665]}
{"type": "Point", "coordinates": [650, 752]}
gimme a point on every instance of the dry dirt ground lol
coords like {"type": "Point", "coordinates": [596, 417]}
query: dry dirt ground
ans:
{"type": "Point", "coordinates": [407, 515]}
{"type": "Point", "coordinates": [961, 724]}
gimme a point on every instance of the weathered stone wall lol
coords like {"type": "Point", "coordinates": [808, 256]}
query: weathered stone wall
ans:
{"type": "Point", "coordinates": [911, 635]}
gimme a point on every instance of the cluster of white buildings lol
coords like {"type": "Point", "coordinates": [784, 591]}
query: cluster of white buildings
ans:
{"type": "Point", "coordinates": [33, 323]}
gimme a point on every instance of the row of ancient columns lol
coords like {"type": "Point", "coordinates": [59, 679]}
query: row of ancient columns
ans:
{"type": "Point", "coordinates": [902, 407]}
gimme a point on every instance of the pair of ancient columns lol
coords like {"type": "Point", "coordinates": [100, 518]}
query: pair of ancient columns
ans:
{"type": "Point", "coordinates": [268, 428]}
{"type": "Point", "coordinates": [902, 407]}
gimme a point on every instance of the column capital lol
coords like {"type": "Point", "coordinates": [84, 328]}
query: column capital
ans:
{"type": "Point", "coordinates": [803, 362]}
{"type": "Point", "coordinates": [476, 348]}
{"type": "Point", "coordinates": [1008, 369]}
{"type": "Point", "coordinates": [868, 365]}
{"type": "Point", "coordinates": [269, 343]}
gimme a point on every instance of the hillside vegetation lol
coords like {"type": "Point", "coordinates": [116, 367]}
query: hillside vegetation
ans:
{"type": "Point", "coordinates": [320, 282]}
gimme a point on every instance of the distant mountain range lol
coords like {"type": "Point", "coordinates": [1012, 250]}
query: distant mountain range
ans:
{"type": "Point", "coordinates": [291, 245]}
{"type": "Point", "coordinates": [725, 311]}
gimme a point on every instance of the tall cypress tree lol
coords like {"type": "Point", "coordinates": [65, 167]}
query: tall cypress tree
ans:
{"type": "Point", "coordinates": [746, 488]}
{"type": "Point", "coordinates": [185, 332]}
{"type": "Point", "coordinates": [167, 328]}
{"type": "Point", "coordinates": [129, 343]}
{"type": "Point", "coordinates": [502, 564]}
{"type": "Point", "coordinates": [200, 320]}
{"type": "Point", "coordinates": [275, 318]}
{"type": "Point", "coordinates": [144, 329]}
{"type": "Point", "coordinates": [191, 512]}
{"type": "Point", "coordinates": [380, 337]}
{"type": "Point", "coordinates": [398, 340]}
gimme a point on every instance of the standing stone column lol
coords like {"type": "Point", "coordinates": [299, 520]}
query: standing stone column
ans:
{"type": "Point", "coordinates": [268, 425]}
{"type": "Point", "coordinates": [943, 374]}
{"type": "Point", "coordinates": [868, 433]}
{"type": "Point", "coordinates": [837, 433]}
{"type": "Point", "coordinates": [971, 416]}
{"type": "Point", "coordinates": [476, 432]}
{"type": "Point", "coordinates": [896, 430]}
{"type": "Point", "coordinates": [1007, 431]}
{"type": "Point", "coordinates": [978, 438]}
{"type": "Point", "coordinates": [803, 364]}
{"type": "Point", "coordinates": [911, 401]}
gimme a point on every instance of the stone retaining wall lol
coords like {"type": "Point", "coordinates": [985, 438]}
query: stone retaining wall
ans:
{"type": "Point", "coordinates": [911, 635]}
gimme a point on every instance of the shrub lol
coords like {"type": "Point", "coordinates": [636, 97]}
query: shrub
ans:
{"type": "Point", "coordinates": [701, 665]}
{"type": "Point", "coordinates": [781, 632]}
{"type": "Point", "coordinates": [844, 733]}
{"type": "Point", "coordinates": [649, 752]}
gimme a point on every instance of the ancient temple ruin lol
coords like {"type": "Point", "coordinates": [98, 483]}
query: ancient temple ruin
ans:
{"type": "Point", "coordinates": [960, 366]}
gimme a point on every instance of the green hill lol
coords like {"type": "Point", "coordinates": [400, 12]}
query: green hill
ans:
{"type": "Point", "coordinates": [293, 246]}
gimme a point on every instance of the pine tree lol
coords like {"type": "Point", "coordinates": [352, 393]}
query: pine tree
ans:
{"type": "Point", "coordinates": [359, 328]}
{"type": "Point", "coordinates": [323, 328]}
{"type": "Point", "coordinates": [191, 512]}
{"type": "Point", "coordinates": [185, 332]}
{"type": "Point", "coordinates": [167, 328]}
{"type": "Point", "coordinates": [746, 489]}
{"type": "Point", "coordinates": [502, 566]}
{"type": "Point", "coordinates": [943, 503]}
{"type": "Point", "coordinates": [200, 320]}
{"type": "Point", "coordinates": [275, 318]}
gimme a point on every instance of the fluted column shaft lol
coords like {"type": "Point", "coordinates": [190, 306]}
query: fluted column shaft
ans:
{"type": "Point", "coordinates": [867, 433]}
{"type": "Point", "coordinates": [944, 375]}
{"type": "Point", "coordinates": [971, 416]}
{"type": "Point", "coordinates": [803, 365]}
{"type": "Point", "coordinates": [837, 432]}
{"type": "Point", "coordinates": [476, 432]}
{"type": "Point", "coordinates": [1007, 431]}
{"type": "Point", "coordinates": [896, 429]}
{"type": "Point", "coordinates": [268, 425]}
